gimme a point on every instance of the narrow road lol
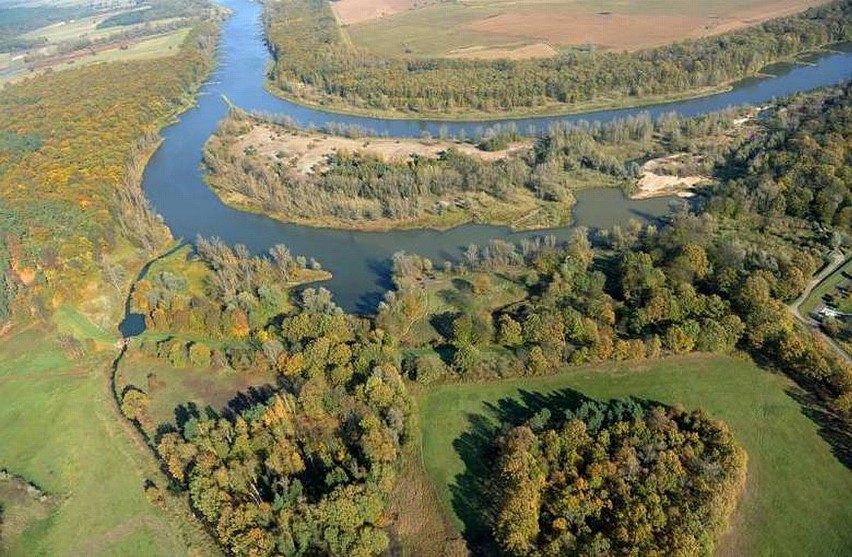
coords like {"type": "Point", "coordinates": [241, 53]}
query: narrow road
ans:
{"type": "Point", "coordinates": [838, 260]}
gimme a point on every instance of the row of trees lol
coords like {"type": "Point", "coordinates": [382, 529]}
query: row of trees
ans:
{"type": "Point", "coordinates": [314, 63]}
{"type": "Point", "coordinates": [156, 10]}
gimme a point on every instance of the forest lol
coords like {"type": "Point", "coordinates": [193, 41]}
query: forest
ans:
{"type": "Point", "coordinates": [307, 469]}
{"type": "Point", "coordinates": [67, 203]}
{"type": "Point", "coordinates": [314, 64]}
{"type": "Point", "coordinates": [712, 281]}
{"type": "Point", "coordinates": [615, 479]}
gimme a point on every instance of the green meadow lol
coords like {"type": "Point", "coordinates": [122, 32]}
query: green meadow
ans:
{"type": "Point", "coordinates": [797, 495]}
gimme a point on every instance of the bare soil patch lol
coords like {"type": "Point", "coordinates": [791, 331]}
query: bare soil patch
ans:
{"type": "Point", "coordinates": [308, 152]}
{"type": "Point", "coordinates": [630, 30]}
{"type": "Point", "coordinates": [497, 28]}
{"type": "Point", "coordinates": [349, 12]}
{"type": "Point", "coordinates": [511, 52]}
{"type": "Point", "coordinates": [663, 176]}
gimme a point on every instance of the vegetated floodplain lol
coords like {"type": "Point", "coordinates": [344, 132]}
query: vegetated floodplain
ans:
{"type": "Point", "coordinates": [75, 229]}
{"type": "Point", "coordinates": [362, 182]}
{"type": "Point", "coordinates": [504, 61]}
{"type": "Point", "coordinates": [783, 511]}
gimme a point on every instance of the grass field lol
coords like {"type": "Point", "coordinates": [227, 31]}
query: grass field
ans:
{"type": "Point", "coordinates": [797, 496]}
{"type": "Point", "coordinates": [85, 28]}
{"type": "Point", "coordinates": [62, 432]}
{"type": "Point", "coordinates": [532, 28]}
{"type": "Point", "coordinates": [169, 387]}
{"type": "Point", "coordinates": [159, 46]}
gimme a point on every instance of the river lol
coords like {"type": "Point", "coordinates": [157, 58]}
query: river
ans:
{"type": "Point", "coordinates": [174, 184]}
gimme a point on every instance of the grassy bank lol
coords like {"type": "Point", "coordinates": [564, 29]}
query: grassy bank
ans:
{"type": "Point", "coordinates": [795, 501]}
{"type": "Point", "coordinates": [60, 423]}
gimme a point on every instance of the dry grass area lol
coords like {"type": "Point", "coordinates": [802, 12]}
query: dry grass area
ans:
{"type": "Point", "coordinates": [144, 48]}
{"type": "Point", "coordinates": [349, 12]}
{"type": "Point", "coordinates": [307, 152]}
{"type": "Point", "coordinates": [490, 29]}
{"type": "Point", "coordinates": [537, 50]}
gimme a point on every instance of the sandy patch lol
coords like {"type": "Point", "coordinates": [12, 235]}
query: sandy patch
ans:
{"type": "Point", "coordinates": [538, 50]}
{"type": "Point", "coordinates": [308, 152]}
{"type": "Point", "coordinates": [350, 12]}
{"type": "Point", "coordinates": [655, 183]}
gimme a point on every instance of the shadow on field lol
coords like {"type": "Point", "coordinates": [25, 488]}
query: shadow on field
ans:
{"type": "Point", "coordinates": [833, 429]}
{"type": "Point", "coordinates": [474, 498]}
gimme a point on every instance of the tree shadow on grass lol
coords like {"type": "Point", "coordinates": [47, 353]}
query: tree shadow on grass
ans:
{"type": "Point", "coordinates": [474, 498]}
{"type": "Point", "coordinates": [246, 400]}
{"type": "Point", "coordinates": [832, 428]}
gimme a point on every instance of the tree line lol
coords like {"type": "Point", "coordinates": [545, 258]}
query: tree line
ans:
{"type": "Point", "coordinates": [313, 63]}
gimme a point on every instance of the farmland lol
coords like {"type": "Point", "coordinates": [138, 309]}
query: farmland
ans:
{"type": "Point", "coordinates": [535, 28]}
{"type": "Point", "coordinates": [785, 510]}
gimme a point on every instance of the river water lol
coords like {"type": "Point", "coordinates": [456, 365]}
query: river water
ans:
{"type": "Point", "coordinates": [174, 184]}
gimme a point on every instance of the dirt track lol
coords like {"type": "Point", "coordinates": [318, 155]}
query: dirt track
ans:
{"type": "Point", "coordinates": [838, 260]}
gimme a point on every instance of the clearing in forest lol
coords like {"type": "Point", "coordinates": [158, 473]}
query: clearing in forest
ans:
{"type": "Point", "coordinates": [535, 28]}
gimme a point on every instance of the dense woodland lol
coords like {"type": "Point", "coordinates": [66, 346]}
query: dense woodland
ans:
{"type": "Point", "coordinates": [308, 469]}
{"type": "Point", "coordinates": [352, 189]}
{"type": "Point", "coordinates": [615, 479]}
{"type": "Point", "coordinates": [70, 165]}
{"type": "Point", "coordinates": [308, 465]}
{"type": "Point", "coordinates": [711, 281]}
{"type": "Point", "coordinates": [314, 64]}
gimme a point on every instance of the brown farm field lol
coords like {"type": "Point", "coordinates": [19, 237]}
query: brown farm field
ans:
{"type": "Point", "coordinates": [536, 28]}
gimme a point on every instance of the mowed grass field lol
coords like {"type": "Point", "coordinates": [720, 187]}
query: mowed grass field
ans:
{"type": "Point", "coordinates": [797, 495]}
{"type": "Point", "coordinates": [61, 431]}
{"type": "Point", "coordinates": [534, 28]}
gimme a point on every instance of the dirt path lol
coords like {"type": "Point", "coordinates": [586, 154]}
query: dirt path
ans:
{"type": "Point", "coordinates": [838, 260]}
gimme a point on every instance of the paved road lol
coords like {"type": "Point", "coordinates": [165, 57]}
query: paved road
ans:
{"type": "Point", "coordinates": [838, 260]}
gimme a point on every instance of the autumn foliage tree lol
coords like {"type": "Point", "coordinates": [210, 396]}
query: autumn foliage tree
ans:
{"type": "Point", "coordinates": [616, 479]}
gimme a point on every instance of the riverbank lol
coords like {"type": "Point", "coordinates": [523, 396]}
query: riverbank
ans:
{"type": "Point", "coordinates": [550, 111]}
